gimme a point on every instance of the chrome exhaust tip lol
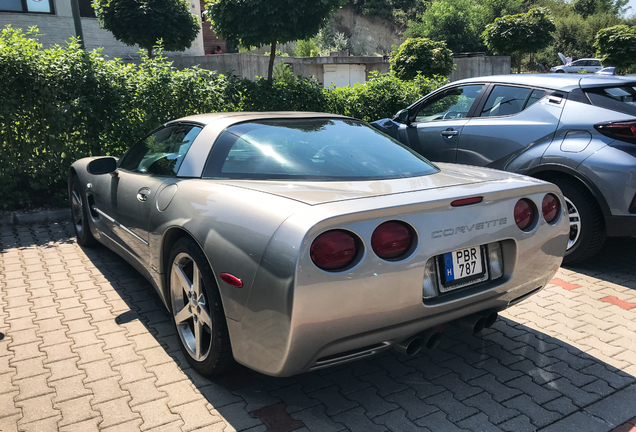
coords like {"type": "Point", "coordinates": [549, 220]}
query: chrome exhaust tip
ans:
{"type": "Point", "coordinates": [410, 346]}
{"type": "Point", "coordinates": [473, 323]}
{"type": "Point", "coordinates": [491, 319]}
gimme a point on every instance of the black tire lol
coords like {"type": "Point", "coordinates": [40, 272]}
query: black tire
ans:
{"type": "Point", "coordinates": [79, 214]}
{"type": "Point", "coordinates": [559, 71]}
{"type": "Point", "coordinates": [587, 226]}
{"type": "Point", "coordinates": [197, 311]}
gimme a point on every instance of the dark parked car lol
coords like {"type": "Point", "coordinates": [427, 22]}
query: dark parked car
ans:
{"type": "Point", "coordinates": [577, 131]}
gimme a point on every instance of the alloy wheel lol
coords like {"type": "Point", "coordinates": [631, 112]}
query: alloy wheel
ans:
{"type": "Point", "coordinates": [575, 223]}
{"type": "Point", "coordinates": [190, 308]}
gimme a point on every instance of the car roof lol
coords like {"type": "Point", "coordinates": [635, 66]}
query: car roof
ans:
{"type": "Point", "coordinates": [564, 82]}
{"type": "Point", "coordinates": [239, 117]}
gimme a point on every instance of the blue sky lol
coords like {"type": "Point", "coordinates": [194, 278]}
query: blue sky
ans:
{"type": "Point", "coordinates": [632, 11]}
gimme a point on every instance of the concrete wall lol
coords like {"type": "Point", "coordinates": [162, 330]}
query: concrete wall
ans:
{"type": "Point", "coordinates": [58, 28]}
{"type": "Point", "coordinates": [479, 65]}
{"type": "Point", "coordinates": [250, 66]}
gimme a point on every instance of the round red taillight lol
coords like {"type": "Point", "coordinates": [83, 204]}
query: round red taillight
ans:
{"type": "Point", "coordinates": [334, 250]}
{"type": "Point", "coordinates": [524, 214]}
{"type": "Point", "coordinates": [391, 240]}
{"type": "Point", "coordinates": [550, 207]}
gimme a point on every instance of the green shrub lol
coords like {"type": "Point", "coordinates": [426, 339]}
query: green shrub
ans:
{"type": "Point", "coordinates": [61, 104]}
{"type": "Point", "coordinates": [421, 56]}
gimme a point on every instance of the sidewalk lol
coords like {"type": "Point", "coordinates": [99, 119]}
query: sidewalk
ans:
{"type": "Point", "coordinates": [88, 346]}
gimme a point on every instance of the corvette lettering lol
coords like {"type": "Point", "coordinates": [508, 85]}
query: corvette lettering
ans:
{"type": "Point", "coordinates": [469, 228]}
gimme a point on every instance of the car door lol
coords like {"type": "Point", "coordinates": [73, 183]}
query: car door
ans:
{"type": "Point", "coordinates": [594, 66]}
{"type": "Point", "coordinates": [151, 162]}
{"type": "Point", "coordinates": [577, 66]}
{"type": "Point", "coordinates": [436, 123]}
{"type": "Point", "coordinates": [511, 128]}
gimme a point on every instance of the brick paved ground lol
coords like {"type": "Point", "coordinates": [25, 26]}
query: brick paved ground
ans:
{"type": "Point", "coordinates": [86, 345]}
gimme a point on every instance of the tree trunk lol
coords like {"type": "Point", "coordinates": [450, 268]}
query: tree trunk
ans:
{"type": "Point", "coordinates": [149, 52]}
{"type": "Point", "coordinates": [272, 56]}
{"type": "Point", "coordinates": [519, 63]}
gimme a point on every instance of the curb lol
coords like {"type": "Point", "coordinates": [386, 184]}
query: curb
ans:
{"type": "Point", "coordinates": [42, 216]}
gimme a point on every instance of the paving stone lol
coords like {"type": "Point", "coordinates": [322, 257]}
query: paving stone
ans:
{"type": "Point", "coordinates": [423, 388]}
{"type": "Point", "coordinates": [499, 392]}
{"type": "Point", "coordinates": [478, 423]}
{"type": "Point", "coordinates": [396, 421]}
{"type": "Point", "coordinates": [454, 409]}
{"type": "Point", "coordinates": [538, 416]}
{"type": "Point", "coordinates": [460, 389]}
{"type": "Point", "coordinates": [195, 415]}
{"type": "Point", "coordinates": [75, 411]}
{"type": "Point", "coordinates": [518, 424]}
{"type": "Point", "coordinates": [562, 405]}
{"type": "Point", "coordinates": [614, 377]}
{"type": "Point", "coordinates": [236, 415]}
{"type": "Point", "coordinates": [373, 404]}
{"type": "Point", "coordinates": [36, 409]}
{"type": "Point", "coordinates": [438, 422]}
{"type": "Point", "coordinates": [294, 398]}
{"type": "Point", "coordinates": [32, 387]}
{"type": "Point", "coordinates": [82, 426]}
{"type": "Point", "coordinates": [347, 382]}
{"type": "Point", "coordinates": [409, 402]}
{"type": "Point", "coordinates": [496, 412]}
{"type": "Point", "coordinates": [334, 402]}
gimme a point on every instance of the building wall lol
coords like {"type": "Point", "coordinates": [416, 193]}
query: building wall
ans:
{"type": "Point", "coordinates": [58, 28]}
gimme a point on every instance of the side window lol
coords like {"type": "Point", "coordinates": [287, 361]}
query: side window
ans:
{"type": "Point", "coordinates": [535, 96]}
{"type": "Point", "coordinates": [34, 6]}
{"type": "Point", "coordinates": [505, 100]}
{"type": "Point", "coordinates": [162, 152]}
{"type": "Point", "coordinates": [593, 63]}
{"type": "Point", "coordinates": [452, 104]}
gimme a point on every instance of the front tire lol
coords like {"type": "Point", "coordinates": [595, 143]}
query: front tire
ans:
{"type": "Point", "coordinates": [197, 311]}
{"type": "Point", "coordinates": [79, 214]}
{"type": "Point", "coordinates": [587, 227]}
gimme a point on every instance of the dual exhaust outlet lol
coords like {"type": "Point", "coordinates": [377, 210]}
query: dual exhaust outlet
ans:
{"type": "Point", "coordinates": [430, 338]}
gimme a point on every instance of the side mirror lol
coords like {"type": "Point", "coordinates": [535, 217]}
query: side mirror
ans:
{"type": "Point", "coordinates": [402, 116]}
{"type": "Point", "coordinates": [103, 165]}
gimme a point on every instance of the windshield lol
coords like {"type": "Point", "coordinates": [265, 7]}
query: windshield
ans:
{"type": "Point", "coordinates": [311, 149]}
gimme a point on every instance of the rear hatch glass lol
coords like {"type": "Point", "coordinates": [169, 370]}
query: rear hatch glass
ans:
{"type": "Point", "coordinates": [617, 98]}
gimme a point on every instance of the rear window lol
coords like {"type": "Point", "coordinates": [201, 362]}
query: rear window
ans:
{"type": "Point", "coordinates": [619, 98]}
{"type": "Point", "coordinates": [311, 149]}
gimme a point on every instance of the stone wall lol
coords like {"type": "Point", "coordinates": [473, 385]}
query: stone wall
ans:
{"type": "Point", "coordinates": [468, 66]}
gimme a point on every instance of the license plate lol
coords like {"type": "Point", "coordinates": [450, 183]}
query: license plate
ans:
{"type": "Point", "coordinates": [462, 267]}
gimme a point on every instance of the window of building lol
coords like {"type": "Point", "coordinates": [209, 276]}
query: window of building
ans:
{"type": "Point", "coordinates": [32, 6]}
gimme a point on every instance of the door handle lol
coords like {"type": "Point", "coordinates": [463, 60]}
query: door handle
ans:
{"type": "Point", "coordinates": [450, 132]}
{"type": "Point", "coordinates": [143, 193]}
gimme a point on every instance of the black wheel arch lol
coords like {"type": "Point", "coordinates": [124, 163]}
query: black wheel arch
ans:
{"type": "Point", "coordinates": [553, 171]}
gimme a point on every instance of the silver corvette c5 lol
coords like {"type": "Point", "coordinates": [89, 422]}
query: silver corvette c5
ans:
{"type": "Point", "coordinates": [295, 241]}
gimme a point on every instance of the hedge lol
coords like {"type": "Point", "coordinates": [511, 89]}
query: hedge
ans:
{"type": "Point", "coordinates": [61, 104]}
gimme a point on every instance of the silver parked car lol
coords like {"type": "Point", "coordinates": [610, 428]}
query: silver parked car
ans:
{"type": "Point", "coordinates": [584, 65]}
{"type": "Point", "coordinates": [577, 131]}
{"type": "Point", "coordinates": [296, 241]}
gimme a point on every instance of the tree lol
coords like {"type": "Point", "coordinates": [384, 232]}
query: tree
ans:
{"type": "Point", "coordinates": [452, 21]}
{"type": "Point", "coordinates": [520, 34]}
{"type": "Point", "coordinates": [267, 22]}
{"type": "Point", "coordinates": [146, 22]}
{"type": "Point", "coordinates": [422, 55]}
{"type": "Point", "coordinates": [616, 46]}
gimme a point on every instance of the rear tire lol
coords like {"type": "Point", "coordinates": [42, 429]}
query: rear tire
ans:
{"type": "Point", "coordinates": [197, 311]}
{"type": "Point", "coordinates": [587, 227]}
{"type": "Point", "coordinates": [79, 214]}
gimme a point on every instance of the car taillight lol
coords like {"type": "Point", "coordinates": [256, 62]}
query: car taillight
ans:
{"type": "Point", "coordinates": [334, 250]}
{"type": "Point", "coordinates": [391, 240]}
{"type": "Point", "coordinates": [524, 214]}
{"type": "Point", "coordinates": [624, 131]}
{"type": "Point", "coordinates": [550, 207]}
